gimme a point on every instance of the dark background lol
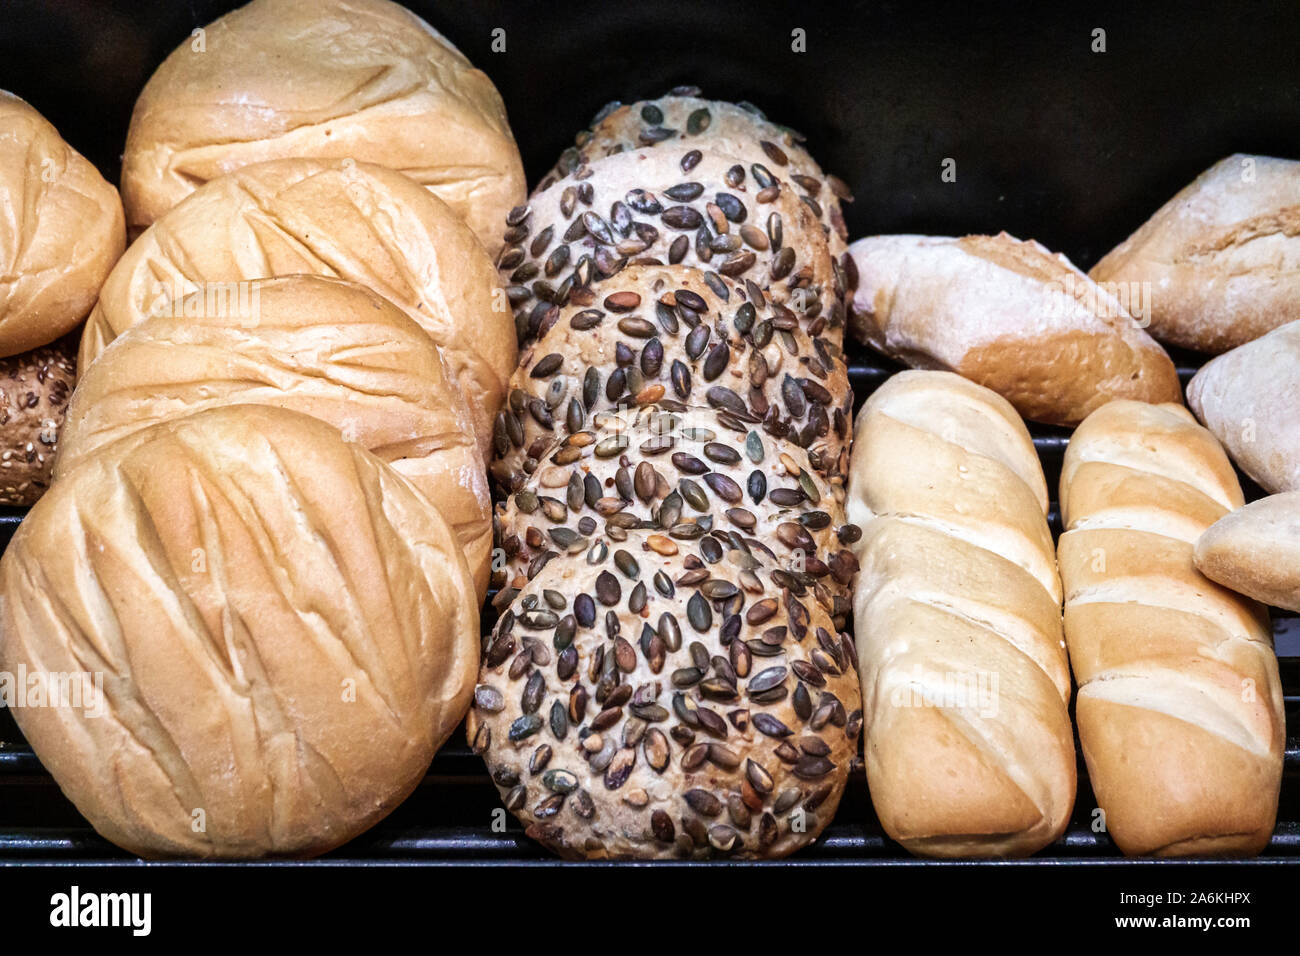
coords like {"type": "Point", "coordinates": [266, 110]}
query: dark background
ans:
{"type": "Point", "coordinates": [1052, 141]}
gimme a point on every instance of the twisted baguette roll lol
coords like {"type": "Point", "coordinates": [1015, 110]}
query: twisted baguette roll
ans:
{"type": "Point", "coordinates": [965, 681]}
{"type": "Point", "coordinates": [1180, 705]}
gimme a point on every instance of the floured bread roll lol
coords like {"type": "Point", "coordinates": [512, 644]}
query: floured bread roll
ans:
{"type": "Point", "coordinates": [636, 705]}
{"type": "Point", "coordinates": [336, 218]}
{"type": "Point", "coordinates": [60, 234]}
{"type": "Point", "coordinates": [334, 79]}
{"type": "Point", "coordinates": [284, 630]}
{"type": "Point", "coordinates": [325, 347]}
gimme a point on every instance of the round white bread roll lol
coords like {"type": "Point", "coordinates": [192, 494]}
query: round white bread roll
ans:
{"type": "Point", "coordinates": [328, 348]}
{"type": "Point", "coordinates": [34, 391]}
{"type": "Point", "coordinates": [284, 630]}
{"type": "Point", "coordinates": [336, 79]}
{"type": "Point", "coordinates": [338, 218]}
{"type": "Point", "coordinates": [633, 705]}
{"type": "Point", "coordinates": [60, 234]}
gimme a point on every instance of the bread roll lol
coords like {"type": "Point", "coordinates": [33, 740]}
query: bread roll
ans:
{"type": "Point", "coordinates": [1222, 258]}
{"type": "Point", "coordinates": [284, 630]}
{"type": "Point", "coordinates": [671, 337]}
{"type": "Point", "coordinates": [1248, 398]}
{"type": "Point", "coordinates": [736, 129]}
{"type": "Point", "coordinates": [1255, 550]}
{"type": "Point", "coordinates": [633, 705]}
{"type": "Point", "coordinates": [1179, 705]}
{"type": "Point", "coordinates": [1008, 315]}
{"type": "Point", "coordinates": [965, 681]}
{"type": "Point", "coordinates": [34, 391]}
{"type": "Point", "coordinates": [673, 205]}
{"type": "Point", "coordinates": [61, 231]}
{"type": "Point", "coordinates": [324, 347]}
{"type": "Point", "coordinates": [331, 79]}
{"type": "Point", "coordinates": [335, 218]}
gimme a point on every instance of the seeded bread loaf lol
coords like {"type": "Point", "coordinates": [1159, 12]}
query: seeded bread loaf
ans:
{"type": "Point", "coordinates": [336, 218]}
{"type": "Point", "coordinates": [1008, 315]}
{"type": "Point", "coordinates": [633, 705]}
{"type": "Point", "coordinates": [1179, 705]}
{"type": "Point", "coordinates": [662, 333]}
{"type": "Point", "coordinates": [668, 205]}
{"type": "Point", "coordinates": [965, 680]}
{"type": "Point", "coordinates": [1248, 398]}
{"type": "Point", "coordinates": [324, 347]}
{"type": "Point", "coordinates": [685, 474]}
{"type": "Point", "coordinates": [1221, 260]}
{"type": "Point", "coordinates": [1255, 551]}
{"type": "Point", "coordinates": [34, 391]}
{"type": "Point", "coordinates": [284, 630]}
{"type": "Point", "coordinates": [61, 231]}
{"type": "Point", "coordinates": [333, 79]}
{"type": "Point", "coordinates": [736, 129]}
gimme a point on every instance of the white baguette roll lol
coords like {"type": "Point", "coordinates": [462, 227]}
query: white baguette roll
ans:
{"type": "Point", "coordinates": [965, 680]}
{"type": "Point", "coordinates": [1179, 705]}
{"type": "Point", "coordinates": [1256, 550]}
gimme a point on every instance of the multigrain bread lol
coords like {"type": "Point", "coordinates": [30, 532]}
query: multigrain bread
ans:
{"type": "Point", "coordinates": [1255, 551]}
{"type": "Point", "coordinates": [636, 705]}
{"type": "Point", "coordinates": [285, 632]}
{"type": "Point", "coordinates": [332, 79]}
{"type": "Point", "coordinates": [60, 234]}
{"type": "Point", "coordinates": [34, 391]}
{"type": "Point", "coordinates": [668, 333]}
{"type": "Point", "coordinates": [1179, 706]}
{"type": "Point", "coordinates": [337, 218]}
{"type": "Point", "coordinates": [965, 680]}
{"type": "Point", "coordinates": [1248, 398]}
{"type": "Point", "coordinates": [1221, 260]}
{"type": "Point", "coordinates": [324, 347]}
{"type": "Point", "coordinates": [668, 205]}
{"type": "Point", "coordinates": [1008, 315]}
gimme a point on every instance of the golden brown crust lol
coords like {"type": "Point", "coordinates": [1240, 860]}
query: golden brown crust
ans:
{"type": "Point", "coordinates": [1255, 550]}
{"type": "Point", "coordinates": [285, 630]}
{"type": "Point", "coordinates": [34, 391]}
{"type": "Point", "coordinates": [61, 233]}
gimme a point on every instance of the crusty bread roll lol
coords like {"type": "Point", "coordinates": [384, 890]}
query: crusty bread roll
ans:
{"type": "Point", "coordinates": [1222, 258]}
{"type": "Point", "coordinates": [1008, 315]}
{"type": "Point", "coordinates": [965, 681]}
{"type": "Point", "coordinates": [334, 79]}
{"type": "Point", "coordinates": [637, 705]}
{"type": "Point", "coordinates": [284, 629]}
{"type": "Point", "coordinates": [61, 231]}
{"type": "Point", "coordinates": [670, 336]}
{"type": "Point", "coordinates": [1248, 398]}
{"type": "Point", "coordinates": [34, 391]}
{"type": "Point", "coordinates": [324, 347]}
{"type": "Point", "coordinates": [668, 205]}
{"type": "Point", "coordinates": [1179, 705]}
{"type": "Point", "coordinates": [338, 218]}
{"type": "Point", "coordinates": [1255, 550]}
{"type": "Point", "coordinates": [737, 129]}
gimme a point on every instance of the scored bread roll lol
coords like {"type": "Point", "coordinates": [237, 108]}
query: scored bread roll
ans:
{"type": "Point", "coordinates": [1221, 260]}
{"type": "Point", "coordinates": [664, 333]}
{"type": "Point", "coordinates": [1255, 550]}
{"type": "Point", "coordinates": [965, 680]}
{"type": "Point", "coordinates": [633, 705]}
{"type": "Point", "coordinates": [284, 630]}
{"type": "Point", "coordinates": [60, 234]}
{"type": "Point", "coordinates": [34, 391]}
{"type": "Point", "coordinates": [1179, 705]}
{"type": "Point", "coordinates": [332, 79]}
{"type": "Point", "coordinates": [336, 218]}
{"type": "Point", "coordinates": [1248, 398]}
{"type": "Point", "coordinates": [324, 347]}
{"type": "Point", "coordinates": [668, 205]}
{"type": "Point", "coordinates": [1008, 315]}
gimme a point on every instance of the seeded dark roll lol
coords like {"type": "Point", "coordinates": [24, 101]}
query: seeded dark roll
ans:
{"type": "Point", "coordinates": [738, 129]}
{"type": "Point", "coordinates": [670, 205]}
{"type": "Point", "coordinates": [34, 390]}
{"type": "Point", "coordinates": [688, 475]}
{"type": "Point", "coordinates": [664, 333]}
{"type": "Point", "coordinates": [667, 706]}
